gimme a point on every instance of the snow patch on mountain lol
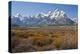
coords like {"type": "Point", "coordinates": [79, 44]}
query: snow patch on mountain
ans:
{"type": "Point", "coordinates": [56, 17]}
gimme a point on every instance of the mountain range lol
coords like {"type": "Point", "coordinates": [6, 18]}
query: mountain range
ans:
{"type": "Point", "coordinates": [56, 17]}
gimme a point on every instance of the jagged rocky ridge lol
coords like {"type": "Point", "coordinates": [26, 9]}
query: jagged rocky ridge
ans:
{"type": "Point", "coordinates": [56, 17]}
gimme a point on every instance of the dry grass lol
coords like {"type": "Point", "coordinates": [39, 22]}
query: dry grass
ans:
{"type": "Point", "coordinates": [42, 39]}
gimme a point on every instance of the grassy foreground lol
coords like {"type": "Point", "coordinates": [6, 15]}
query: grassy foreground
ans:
{"type": "Point", "coordinates": [44, 38]}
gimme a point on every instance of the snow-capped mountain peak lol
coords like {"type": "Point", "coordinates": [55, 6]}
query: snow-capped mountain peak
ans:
{"type": "Point", "coordinates": [56, 17]}
{"type": "Point", "coordinates": [56, 10]}
{"type": "Point", "coordinates": [18, 15]}
{"type": "Point", "coordinates": [43, 14]}
{"type": "Point", "coordinates": [62, 14]}
{"type": "Point", "coordinates": [57, 14]}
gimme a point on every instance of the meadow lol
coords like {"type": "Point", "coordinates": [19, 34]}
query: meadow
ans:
{"type": "Point", "coordinates": [31, 39]}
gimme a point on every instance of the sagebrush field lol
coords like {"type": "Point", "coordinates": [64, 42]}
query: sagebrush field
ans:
{"type": "Point", "coordinates": [43, 38]}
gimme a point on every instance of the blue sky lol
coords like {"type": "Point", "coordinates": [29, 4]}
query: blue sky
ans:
{"type": "Point", "coordinates": [30, 8]}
